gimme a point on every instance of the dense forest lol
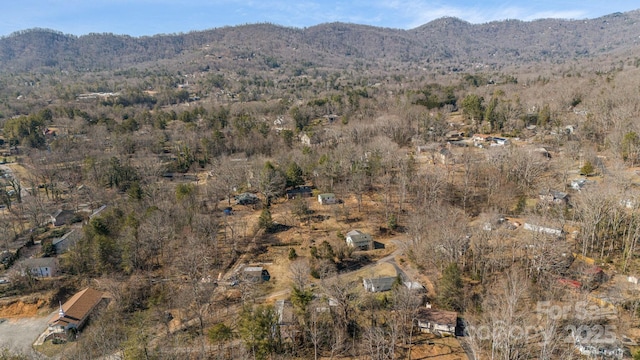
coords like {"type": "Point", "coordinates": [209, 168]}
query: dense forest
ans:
{"type": "Point", "coordinates": [453, 191]}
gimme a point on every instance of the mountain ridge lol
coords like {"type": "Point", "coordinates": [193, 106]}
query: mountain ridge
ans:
{"type": "Point", "coordinates": [447, 39]}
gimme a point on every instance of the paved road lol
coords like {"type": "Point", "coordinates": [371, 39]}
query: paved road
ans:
{"type": "Point", "coordinates": [18, 335]}
{"type": "Point", "coordinates": [467, 348]}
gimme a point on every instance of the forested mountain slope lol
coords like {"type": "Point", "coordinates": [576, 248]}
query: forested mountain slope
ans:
{"type": "Point", "coordinates": [444, 40]}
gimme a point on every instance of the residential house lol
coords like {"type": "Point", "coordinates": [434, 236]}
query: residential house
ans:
{"type": "Point", "coordinates": [553, 196]}
{"type": "Point", "coordinates": [74, 313]}
{"type": "Point", "coordinates": [309, 140]}
{"type": "Point", "coordinates": [63, 217]}
{"type": "Point", "coordinates": [600, 352]}
{"type": "Point", "coordinates": [256, 274]}
{"type": "Point", "coordinates": [454, 135]}
{"type": "Point", "coordinates": [435, 321]}
{"type": "Point", "coordinates": [327, 199]}
{"type": "Point", "coordinates": [500, 141]}
{"type": "Point", "coordinates": [414, 285]}
{"type": "Point", "coordinates": [246, 199]}
{"type": "Point", "coordinates": [481, 138]}
{"type": "Point", "coordinates": [40, 267]}
{"type": "Point", "coordinates": [331, 118]}
{"type": "Point", "coordinates": [446, 156]}
{"type": "Point", "coordinates": [542, 229]}
{"type": "Point", "coordinates": [68, 240]}
{"type": "Point", "coordinates": [359, 240]}
{"type": "Point", "coordinates": [280, 123]}
{"type": "Point", "coordinates": [379, 284]}
{"type": "Point", "coordinates": [299, 191]}
{"type": "Point", "coordinates": [578, 184]}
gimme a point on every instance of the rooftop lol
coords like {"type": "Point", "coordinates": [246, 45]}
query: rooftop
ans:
{"type": "Point", "coordinates": [437, 316]}
{"type": "Point", "coordinates": [78, 307]}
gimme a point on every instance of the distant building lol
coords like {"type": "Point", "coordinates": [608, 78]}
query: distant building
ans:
{"type": "Point", "coordinates": [331, 118]}
{"type": "Point", "coordinates": [63, 217]}
{"type": "Point", "coordinates": [246, 199]}
{"type": "Point", "coordinates": [414, 285]}
{"type": "Point", "coordinates": [578, 184]}
{"type": "Point", "coordinates": [309, 140]}
{"type": "Point", "coordinates": [481, 138]}
{"type": "Point", "coordinates": [326, 199]}
{"type": "Point", "coordinates": [64, 243]}
{"type": "Point", "coordinates": [500, 141]}
{"type": "Point", "coordinates": [299, 191]}
{"type": "Point", "coordinates": [600, 351]}
{"type": "Point", "coordinates": [379, 284]}
{"type": "Point", "coordinates": [542, 229]}
{"type": "Point", "coordinates": [40, 267]}
{"type": "Point", "coordinates": [256, 274]}
{"type": "Point", "coordinates": [439, 322]}
{"type": "Point", "coordinates": [553, 196]}
{"type": "Point", "coordinates": [454, 135]}
{"type": "Point", "coordinates": [359, 240]}
{"type": "Point", "coordinates": [446, 156]}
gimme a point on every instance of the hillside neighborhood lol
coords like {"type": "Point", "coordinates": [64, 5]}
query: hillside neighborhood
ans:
{"type": "Point", "coordinates": [241, 201]}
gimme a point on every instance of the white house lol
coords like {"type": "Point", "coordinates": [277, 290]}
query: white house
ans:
{"type": "Point", "coordinates": [578, 184]}
{"type": "Point", "coordinates": [379, 284]}
{"type": "Point", "coordinates": [414, 285]}
{"type": "Point", "coordinates": [41, 267]}
{"type": "Point", "coordinates": [326, 199]}
{"type": "Point", "coordinates": [500, 141]}
{"type": "Point", "coordinates": [542, 229]}
{"type": "Point", "coordinates": [359, 240]}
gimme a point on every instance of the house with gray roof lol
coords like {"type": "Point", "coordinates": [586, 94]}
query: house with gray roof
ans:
{"type": "Point", "coordinates": [379, 284]}
{"type": "Point", "coordinates": [359, 240]}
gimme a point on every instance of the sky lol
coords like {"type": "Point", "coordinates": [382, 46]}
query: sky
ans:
{"type": "Point", "coordinates": [150, 17]}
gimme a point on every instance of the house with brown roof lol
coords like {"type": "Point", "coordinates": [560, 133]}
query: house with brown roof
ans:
{"type": "Point", "coordinates": [75, 312]}
{"type": "Point", "coordinates": [435, 321]}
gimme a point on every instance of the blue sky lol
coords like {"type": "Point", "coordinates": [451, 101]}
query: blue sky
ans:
{"type": "Point", "coordinates": [149, 17]}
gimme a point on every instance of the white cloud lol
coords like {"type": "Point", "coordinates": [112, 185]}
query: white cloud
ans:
{"type": "Point", "coordinates": [419, 12]}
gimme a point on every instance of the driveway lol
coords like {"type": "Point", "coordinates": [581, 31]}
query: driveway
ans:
{"type": "Point", "coordinates": [19, 334]}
